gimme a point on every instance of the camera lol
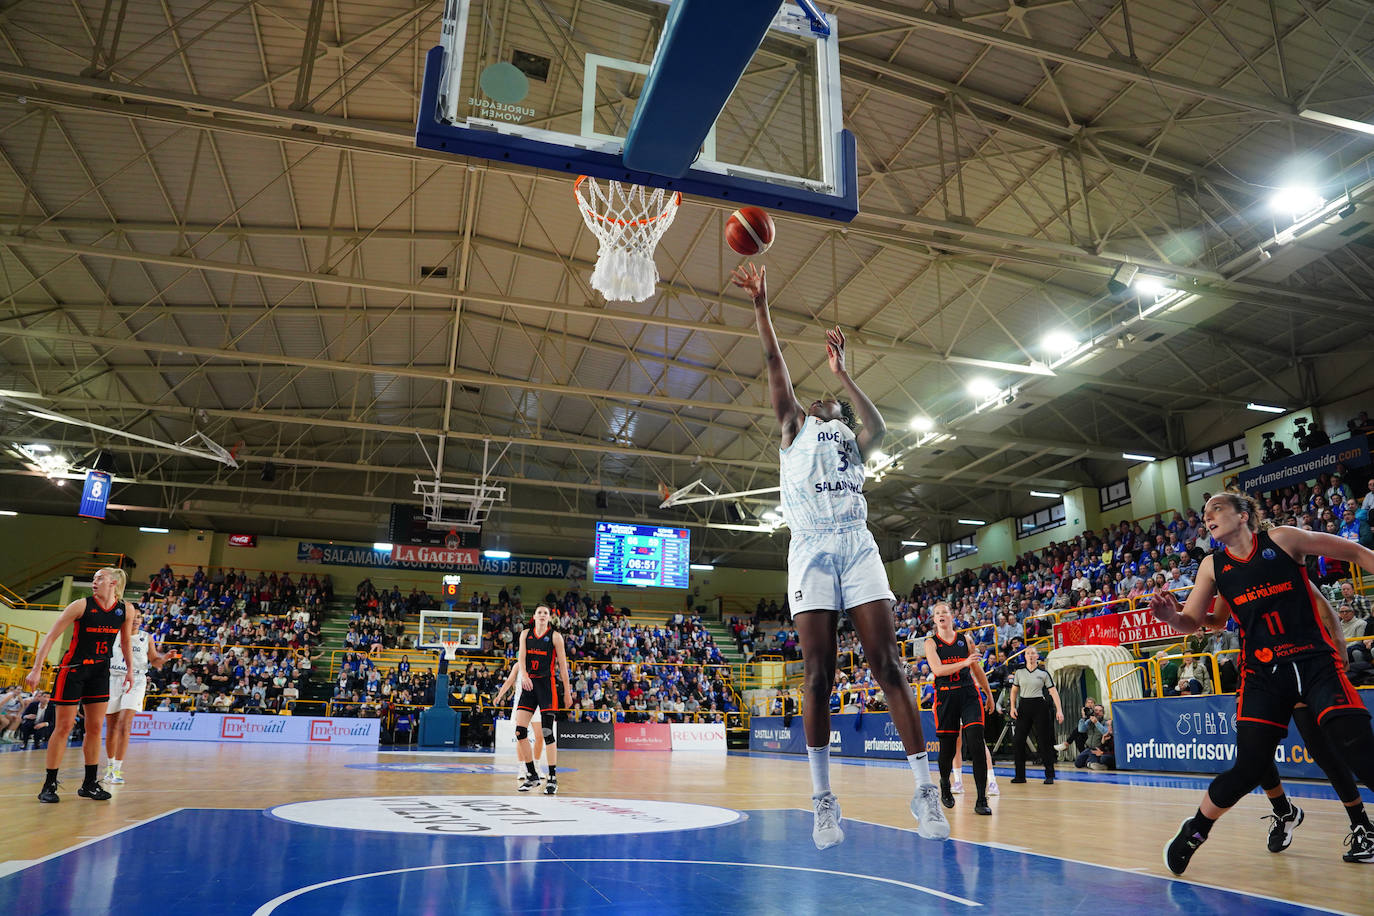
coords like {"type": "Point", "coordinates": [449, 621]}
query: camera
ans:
{"type": "Point", "coordinates": [1274, 449]}
{"type": "Point", "coordinates": [1310, 438]}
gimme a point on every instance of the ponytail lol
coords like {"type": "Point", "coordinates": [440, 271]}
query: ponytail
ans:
{"type": "Point", "coordinates": [1242, 503]}
{"type": "Point", "coordinates": [120, 577]}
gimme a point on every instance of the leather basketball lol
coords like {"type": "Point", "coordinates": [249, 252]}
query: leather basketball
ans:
{"type": "Point", "coordinates": [749, 231]}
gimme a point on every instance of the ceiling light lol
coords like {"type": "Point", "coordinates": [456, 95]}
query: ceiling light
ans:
{"type": "Point", "coordinates": [1265, 408]}
{"type": "Point", "coordinates": [914, 543]}
{"type": "Point", "coordinates": [149, 529]}
{"type": "Point", "coordinates": [1322, 117]}
{"type": "Point", "coordinates": [912, 557]}
{"type": "Point", "coordinates": [921, 424]}
{"type": "Point", "coordinates": [878, 456]}
{"type": "Point", "coordinates": [1058, 343]}
{"type": "Point", "coordinates": [378, 545]}
{"type": "Point", "coordinates": [1131, 456]}
{"type": "Point", "coordinates": [971, 521]}
{"type": "Point", "coordinates": [703, 566]}
{"type": "Point", "coordinates": [982, 388]}
{"type": "Point", "coordinates": [8, 512]}
{"type": "Point", "coordinates": [38, 448]}
{"type": "Point", "coordinates": [1295, 200]}
{"type": "Point", "coordinates": [1149, 286]}
{"type": "Point", "coordinates": [496, 554]}
{"type": "Point", "coordinates": [1046, 494]}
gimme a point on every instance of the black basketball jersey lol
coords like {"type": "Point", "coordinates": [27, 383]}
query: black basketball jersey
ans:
{"type": "Point", "coordinates": [1270, 600]}
{"type": "Point", "coordinates": [950, 652]}
{"type": "Point", "coordinates": [539, 654]}
{"type": "Point", "coordinates": [94, 634]}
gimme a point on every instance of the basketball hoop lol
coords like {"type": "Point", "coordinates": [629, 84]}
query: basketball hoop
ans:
{"type": "Point", "coordinates": [451, 648]}
{"type": "Point", "coordinates": [628, 220]}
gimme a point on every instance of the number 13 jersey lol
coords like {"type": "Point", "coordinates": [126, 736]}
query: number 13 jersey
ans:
{"type": "Point", "coordinates": [822, 478]}
{"type": "Point", "coordinates": [1269, 598]}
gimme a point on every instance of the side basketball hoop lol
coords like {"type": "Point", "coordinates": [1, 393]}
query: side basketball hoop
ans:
{"type": "Point", "coordinates": [628, 220]}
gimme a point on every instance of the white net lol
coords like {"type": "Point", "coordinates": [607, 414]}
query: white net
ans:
{"type": "Point", "coordinates": [628, 220]}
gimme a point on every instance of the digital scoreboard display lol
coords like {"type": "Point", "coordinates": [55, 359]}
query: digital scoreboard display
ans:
{"type": "Point", "coordinates": [641, 555]}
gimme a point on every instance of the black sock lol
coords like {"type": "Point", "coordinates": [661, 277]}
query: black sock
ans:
{"type": "Point", "coordinates": [1358, 817]}
{"type": "Point", "coordinates": [91, 769]}
{"type": "Point", "coordinates": [529, 768]}
{"type": "Point", "coordinates": [1281, 805]}
{"type": "Point", "coordinates": [553, 771]}
{"type": "Point", "coordinates": [1202, 823]}
{"type": "Point", "coordinates": [51, 778]}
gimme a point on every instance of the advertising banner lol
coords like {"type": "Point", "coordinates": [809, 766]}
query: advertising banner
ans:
{"type": "Point", "coordinates": [187, 726]}
{"type": "Point", "coordinates": [646, 736]}
{"type": "Point", "coordinates": [586, 736]}
{"type": "Point", "coordinates": [1287, 472]}
{"type": "Point", "coordinates": [370, 557]}
{"type": "Point", "coordinates": [698, 736]}
{"type": "Point", "coordinates": [1196, 735]}
{"type": "Point", "coordinates": [1111, 630]}
{"type": "Point", "coordinates": [434, 556]}
{"type": "Point", "coordinates": [243, 540]}
{"type": "Point", "coordinates": [871, 734]}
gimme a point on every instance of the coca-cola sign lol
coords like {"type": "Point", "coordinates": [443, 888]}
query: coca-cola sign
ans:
{"type": "Point", "coordinates": [243, 540]}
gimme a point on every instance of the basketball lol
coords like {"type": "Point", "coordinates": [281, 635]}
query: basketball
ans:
{"type": "Point", "coordinates": [749, 231]}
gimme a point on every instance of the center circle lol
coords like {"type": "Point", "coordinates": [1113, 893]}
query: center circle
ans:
{"type": "Point", "coordinates": [503, 815]}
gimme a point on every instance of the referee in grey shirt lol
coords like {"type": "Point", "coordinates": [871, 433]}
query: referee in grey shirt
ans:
{"type": "Point", "coordinates": [1029, 687]}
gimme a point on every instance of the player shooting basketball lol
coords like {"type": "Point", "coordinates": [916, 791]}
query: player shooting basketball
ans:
{"type": "Point", "coordinates": [833, 563]}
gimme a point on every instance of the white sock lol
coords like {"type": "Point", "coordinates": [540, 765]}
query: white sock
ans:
{"type": "Point", "coordinates": [117, 764]}
{"type": "Point", "coordinates": [920, 765]}
{"type": "Point", "coordinates": [819, 758]}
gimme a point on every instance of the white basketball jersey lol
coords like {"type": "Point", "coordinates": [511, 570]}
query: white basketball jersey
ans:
{"type": "Point", "coordinates": [138, 644]}
{"type": "Point", "coordinates": [822, 477]}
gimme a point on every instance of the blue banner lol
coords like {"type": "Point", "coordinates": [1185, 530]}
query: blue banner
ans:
{"type": "Point", "coordinates": [95, 495]}
{"type": "Point", "coordinates": [1196, 735]}
{"type": "Point", "coordinates": [359, 555]}
{"type": "Point", "coordinates": [851, 735]}
{"type": "Point", "coordinates": [1287, 472]}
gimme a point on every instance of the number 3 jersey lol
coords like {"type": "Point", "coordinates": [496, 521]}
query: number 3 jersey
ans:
{"type": "Point", "coordinates": [822, 478]}
{"type": "Point", "coordinates": [1270, 600]}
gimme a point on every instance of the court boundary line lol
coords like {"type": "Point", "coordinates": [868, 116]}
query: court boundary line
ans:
{"type": "Point", "coordinates": [270, 906]}
{"type": "Point", "coordinates": [93, 840]}
{"type": "Point", "coordinates": [1129, 871]}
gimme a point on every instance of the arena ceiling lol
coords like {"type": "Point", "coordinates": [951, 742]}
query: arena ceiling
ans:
{"type": "Point", "coordinates": [213, 220]}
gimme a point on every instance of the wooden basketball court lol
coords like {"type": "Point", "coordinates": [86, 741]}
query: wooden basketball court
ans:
{"type": "Point", "coordinates": [193, 829]}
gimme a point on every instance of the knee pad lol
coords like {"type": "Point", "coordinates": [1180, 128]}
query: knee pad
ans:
{"type": "Point", "coordinates": [547, 720]}
{"type": "Point", "coordinates": [522, 733]}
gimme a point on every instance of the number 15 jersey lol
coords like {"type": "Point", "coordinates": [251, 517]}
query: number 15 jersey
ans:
{"type": "Point", "coordinates": [822, 478]}
{"type": "Point", "coordinates": [1270, 600]}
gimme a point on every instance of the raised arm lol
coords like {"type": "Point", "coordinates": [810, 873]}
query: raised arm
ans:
{"type": "Point", "coordinates": [871, 433]}
{"type": "Point", "coordinates": [754, 281]}
{"type": "Point", "coordinates": [1330, 621]}
{"type": "Point", "coordinates": [1298, 544]}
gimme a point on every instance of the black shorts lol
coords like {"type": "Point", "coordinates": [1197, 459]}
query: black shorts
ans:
{"type": "Point", "coordinates": [82, 684]}
{"type": "Point", "coordinates": [542, 696]}
{"type": "Point", "coordinates": [957, 708]}
{"type": "Point", "coordinates": [1268, 693]}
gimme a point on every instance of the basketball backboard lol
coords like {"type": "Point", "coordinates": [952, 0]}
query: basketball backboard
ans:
{"type": "Point", "coordinates": [554, 85]}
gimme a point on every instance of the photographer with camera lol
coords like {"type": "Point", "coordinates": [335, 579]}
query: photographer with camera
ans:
{"type": "Point", "coordinates": [1093, 728]}
{"type": "Point", "coordinates": [1078, 737]}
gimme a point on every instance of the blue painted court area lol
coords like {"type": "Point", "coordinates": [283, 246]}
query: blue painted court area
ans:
{"type": "Point", "coordinates": [243, 861]}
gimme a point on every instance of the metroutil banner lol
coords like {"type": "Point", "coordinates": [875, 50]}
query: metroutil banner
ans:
{"type": "Point", "coordinates": [851, 735]}
{"type": "Point", "coordinates": [360, 555]}
{"type": "Point", "coordinates": [1286, 472]}
{"type": "Point", "coordinates": [1196, 735]}
{"type": "Point", "coordinates": [230, 728]}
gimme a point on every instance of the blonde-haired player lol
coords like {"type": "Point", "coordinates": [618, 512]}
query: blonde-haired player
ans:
{"type": "Point", "coordinates": [119, 713]}
{"type": "Point", "coordinates": [83, 675]}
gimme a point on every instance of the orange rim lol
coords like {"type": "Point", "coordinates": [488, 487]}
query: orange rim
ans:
{"type": "Point", "coordinates": [677, 201]}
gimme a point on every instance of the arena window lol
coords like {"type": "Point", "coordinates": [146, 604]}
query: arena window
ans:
{"type": "Point", "coordinates": [1217, 458]}
{"type": "Point", "coordinates": [955, 550]}
{"type": "Point", "coordinates": [1040, 520]}
{"type": "Point", "coordinates": [1114, 495]}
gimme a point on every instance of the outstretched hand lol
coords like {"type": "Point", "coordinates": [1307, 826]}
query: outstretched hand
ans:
{"type": "Point", "coordinates": [1164, 606]}
{"type": "Point", "coordinates": [752, 279]}
{"type": "Point", "coordinates": [834, 349]}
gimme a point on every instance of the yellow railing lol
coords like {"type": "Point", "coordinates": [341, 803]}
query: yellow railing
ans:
{"type": "Point", "coordinates": [71, 563]}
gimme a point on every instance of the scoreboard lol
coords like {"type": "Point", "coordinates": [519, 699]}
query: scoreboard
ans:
{"type": "Point", "coordinates": [628, 554]}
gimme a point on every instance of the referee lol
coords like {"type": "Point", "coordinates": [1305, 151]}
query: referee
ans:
{"type": "Point", "coordinates": [1029, 686]}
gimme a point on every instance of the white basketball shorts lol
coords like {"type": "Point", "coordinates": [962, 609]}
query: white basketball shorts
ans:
{"type": "Point", "coordinates": [119, 700]}
{"type": "Point", "coordinates": [834, 570]}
